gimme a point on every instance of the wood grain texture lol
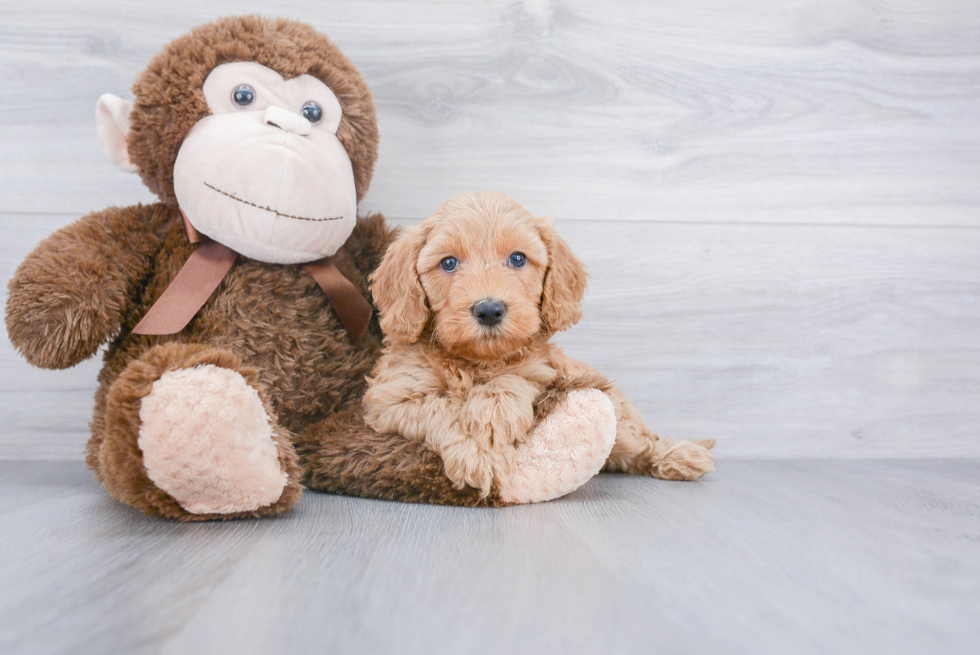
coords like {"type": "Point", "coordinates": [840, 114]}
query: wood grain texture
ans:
{"type": "Point", "coordinates": [793, 112]}
{"type": "Point", "coordinates": [778, 341]}
{"type": "Point", "coordinates": [776, 557]}
{"type": "Point", "coordinates": [779, 207]}
{"type": "Point", "coordinates": [778, 203]}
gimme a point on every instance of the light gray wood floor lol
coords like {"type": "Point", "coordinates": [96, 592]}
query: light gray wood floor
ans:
{"type": "Point", "coordinates": [874, 556]}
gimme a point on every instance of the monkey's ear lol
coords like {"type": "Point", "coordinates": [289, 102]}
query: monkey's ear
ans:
{"type": "Point", "coordinates": [112, 119]}
{"type": "Point", "coordinates": [397, 290]}
{"type": "Point", "coordinates": [564, 283]}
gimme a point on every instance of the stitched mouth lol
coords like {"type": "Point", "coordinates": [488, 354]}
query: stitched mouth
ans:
{"type": "Point", "coordinates": [270, 209]}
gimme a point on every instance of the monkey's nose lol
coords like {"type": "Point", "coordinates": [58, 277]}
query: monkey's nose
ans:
{"type": "Point", "coordinates": [489, 312]}
{"type": "Point", "coordinates": [287, 120]}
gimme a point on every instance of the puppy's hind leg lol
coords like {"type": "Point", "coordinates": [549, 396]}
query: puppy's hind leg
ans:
{"type": "Point", "coordinates": [641, 452]}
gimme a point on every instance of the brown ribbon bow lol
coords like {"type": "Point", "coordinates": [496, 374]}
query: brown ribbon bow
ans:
{"type": "Point", "coordinates": [207, 267]}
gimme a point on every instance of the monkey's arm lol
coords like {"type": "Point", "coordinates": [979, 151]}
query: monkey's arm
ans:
{"type": "Point", "coordinates": [71, 294]}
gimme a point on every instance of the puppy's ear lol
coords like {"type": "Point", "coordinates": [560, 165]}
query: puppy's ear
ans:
{"type": "Point", "coordinates": [397, 291]}
{"type": "Point", "coordinates": [564, 283]}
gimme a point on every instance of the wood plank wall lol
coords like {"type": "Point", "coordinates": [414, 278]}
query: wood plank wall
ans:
{"type": "Point", "coordinates": [779, 202]}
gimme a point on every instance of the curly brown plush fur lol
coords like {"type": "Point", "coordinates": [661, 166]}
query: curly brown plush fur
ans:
{"type": "Point", "coordinates": [342, 455]}
{"type": "Point", "coordinates": [89, 284]}
{"type": "Point", "coordinates": [117, 456]}
{"type": "Point", "coordinates": [270, 322]}
{"type": "Point", "coordinates": [74, 291]}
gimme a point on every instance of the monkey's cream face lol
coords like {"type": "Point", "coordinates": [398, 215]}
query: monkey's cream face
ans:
{"type": "Point", "coordinates": [265, 173]}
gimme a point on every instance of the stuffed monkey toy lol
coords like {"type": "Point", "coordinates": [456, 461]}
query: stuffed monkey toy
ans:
{"type": "Point", "coordinates": [236, 310]}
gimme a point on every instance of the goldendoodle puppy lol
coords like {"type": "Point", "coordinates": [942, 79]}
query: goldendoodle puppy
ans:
{"type": "Point", "coordinates": [469, 299]}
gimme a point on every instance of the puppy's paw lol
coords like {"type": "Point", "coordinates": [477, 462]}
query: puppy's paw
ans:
{"type": "Point", "coordinates": [500, 412]}
{"type": "Point", "coordinates": [467, 463]}
{"type": "Point", "coordinates": [681, 460]}
{"type": "Point", "coordinates": [512, 423]}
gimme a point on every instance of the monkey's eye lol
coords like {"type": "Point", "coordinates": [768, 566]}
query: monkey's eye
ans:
{"type": "Point", "coordinates": [243, 96]}
{"type": "Point", "coordinates": [312, 112]}
{"type": "Point", "coordinates": [517, 260]}
{"type": "Point", "coordinates": [449, 264]}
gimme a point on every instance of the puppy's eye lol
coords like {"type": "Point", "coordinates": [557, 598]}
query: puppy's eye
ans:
{"type": "Point", "coordinates": [449, 264]}
{"type": "Point", "coordinates": [243, 96]}
{"type": "Point", "coordinates": [517, 260]}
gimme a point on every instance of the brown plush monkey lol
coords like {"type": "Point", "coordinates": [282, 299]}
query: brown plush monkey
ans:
{"type": "Point", "coordinates": [235, 308]}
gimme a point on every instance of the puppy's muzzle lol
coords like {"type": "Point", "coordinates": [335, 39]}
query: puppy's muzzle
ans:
{"type": "Point", "coordinates": [489, 312]}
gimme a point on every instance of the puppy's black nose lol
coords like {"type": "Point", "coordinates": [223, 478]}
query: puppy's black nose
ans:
{"type": "Point", "coordinates": [489, 312]}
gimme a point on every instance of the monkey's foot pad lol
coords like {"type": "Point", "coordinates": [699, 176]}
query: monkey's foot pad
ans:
{"type": "Point", "coordinates": [565, 451]}
{"type": "Point", "coordinates": [207, 441]}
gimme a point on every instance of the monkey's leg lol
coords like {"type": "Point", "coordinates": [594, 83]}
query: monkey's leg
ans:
{"type": "Point", "coordinates": [568, 445]}
{"type": "Point", "coordinates": [342, 455]}
{"type": "Point", "coordinates": [639, 451]}
{"type": "Point", "coordinates": [190, 435]}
